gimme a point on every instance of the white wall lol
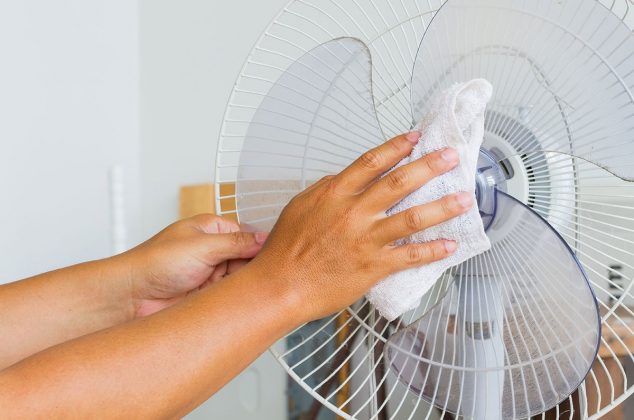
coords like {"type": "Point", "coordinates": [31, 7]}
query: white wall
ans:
{"type": "Point", "coordinates": [191, 54]}
{"type": "Point", "coordinates": [68, 111]}
{"type": "Point", "coordinates": [71, 98]}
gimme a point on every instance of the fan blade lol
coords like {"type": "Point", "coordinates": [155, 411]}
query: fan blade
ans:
{"type": "Point", "coordinates": [560, 70]}
{"type": "Point", "coordinates": [315, 120]}
{"type": "Point", "coordinates": [515, 335]}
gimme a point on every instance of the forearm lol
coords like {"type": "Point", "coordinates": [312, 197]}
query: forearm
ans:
{"type": "Point", "coordinates": [163, 365]}
{"type": "Point", "coordinates": [54, 307]}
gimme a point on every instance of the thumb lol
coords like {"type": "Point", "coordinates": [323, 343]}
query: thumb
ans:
{"type": "Point", "coordinates": [235, 245]}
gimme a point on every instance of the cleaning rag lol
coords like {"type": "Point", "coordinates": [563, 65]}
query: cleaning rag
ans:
{"type": "Point", "coordinates": [456, 120]}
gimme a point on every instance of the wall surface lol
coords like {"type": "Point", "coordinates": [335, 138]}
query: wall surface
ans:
{"type": "Point", "coordinates": [191, 54]}
{"type": "Point", "coordinates": [68, 113]}
{"type": "Point", "coordinates": [71, 99]}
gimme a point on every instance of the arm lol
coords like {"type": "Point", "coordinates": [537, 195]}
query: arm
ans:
{"type": "Point", "coordinates": [55, 307]}
{"type": "Point", "coordinates": [331, 244]}
{"type": "Point", "coordinates": [159, 366]}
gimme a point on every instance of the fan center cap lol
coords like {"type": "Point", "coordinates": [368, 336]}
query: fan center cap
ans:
{"type": "Point", "coordinates": [488, 178]}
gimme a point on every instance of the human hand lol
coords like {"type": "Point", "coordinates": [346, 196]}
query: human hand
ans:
{"type": "Point", "coordinates": [333, 241]}
{"type": "Point", "coordinates": [185, 257]}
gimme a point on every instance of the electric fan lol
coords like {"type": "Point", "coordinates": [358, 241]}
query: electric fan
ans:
{"type": "Point", "coordinates": [513, 332]}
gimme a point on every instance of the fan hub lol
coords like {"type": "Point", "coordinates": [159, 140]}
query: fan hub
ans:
{"type": "Point", "coordinates": [489, 177]}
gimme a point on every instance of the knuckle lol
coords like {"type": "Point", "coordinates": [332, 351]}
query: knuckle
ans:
{"type": "Point", "coordinates": [415, 254]}
{"type": "Point", "coordinates": [430, 164]}
{"type": "Point", "coordinates": [396, 145]}
{"type": "Point", "coordinates": [437, 251]}
{"type": "Point", "coordinates": [238, 239]}
{"type": "Point", "coordinates": [414, 220]}
{"type": "Point", "coordinates": [447, 206]}
{"type": "Point", "coordinates": [328, 181]}
{"type": "Point", "coordinates": [398, 179]}
{"type": "Point", "coordinates": [435, 164]}
{"type": "Point", "coordinates": [371, 160]}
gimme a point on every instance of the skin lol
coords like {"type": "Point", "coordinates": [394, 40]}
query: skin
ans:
{"type": "Point", "coordinates": [55, 307]}
{"type": "Point", "coordinates": [156, 331]}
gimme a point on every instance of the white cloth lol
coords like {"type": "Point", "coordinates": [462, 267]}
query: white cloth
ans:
{"type": "Point", "coordinates": [457, 121]}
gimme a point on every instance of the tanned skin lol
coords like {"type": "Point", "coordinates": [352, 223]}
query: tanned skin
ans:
{"type": "Point", "coordinates": [154, 332]}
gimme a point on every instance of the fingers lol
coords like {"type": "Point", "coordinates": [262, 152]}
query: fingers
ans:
{"type": "Point", "coordinates": [210, 223]}
{"type": "Point", "coordinates": [246, 227]}
{"type": "Point", "coordinates": [421, 217]}
{"type": "Point", "coordinates": [223, 239]}
{"type": "Point", "coordinates": [373, 163]}
{"type": "Point", "coordinates": [224, 269]}
{"type": "Point", "coordinates": [219, 272]}
{"type": "Point", "coordinates": [404, 180]}
{"type": "Point", "coordinates": [235, 245]}
{"type": "Point", "coordinates": [416, 255]}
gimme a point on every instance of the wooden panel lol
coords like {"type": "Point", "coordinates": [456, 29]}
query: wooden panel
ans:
{"type": "Point", "coordinates": [609, 379]}
{"type": "Point", "coordinates": [619, 339]}
{"type": "Point", "coordinates": [196, 199]}
{"type": "Point", "coordinates": [227, 189]}
{"type": "Point", "coordinates": [228, 201]}
{"type": "Point", "coordinates": [606, 379]}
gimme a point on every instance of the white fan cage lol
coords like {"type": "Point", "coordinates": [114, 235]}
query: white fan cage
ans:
{"type": "Point", "coordinates": [345, 350]}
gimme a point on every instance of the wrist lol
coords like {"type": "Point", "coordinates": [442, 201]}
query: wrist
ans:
{"type": "Point", "coordinates": [116, 275]}
{"type": "Point", "coordinates": [275, 288]}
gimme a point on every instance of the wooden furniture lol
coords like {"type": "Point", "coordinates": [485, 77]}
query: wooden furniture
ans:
{"type": "Point", "coordinates": [196, 199]}
{"type": "Point", "coordinates": [606, 376]}
{"type": "Point", "coordinates": [617, 343]}
{"type": "Point", "coordinates": [201, 198]}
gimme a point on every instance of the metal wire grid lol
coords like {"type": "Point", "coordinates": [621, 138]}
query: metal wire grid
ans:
{"type": "Point", "coordinates": [602, 226]}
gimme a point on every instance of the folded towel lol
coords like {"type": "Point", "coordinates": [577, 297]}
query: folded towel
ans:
{"type": "Point", "coordinates": [457, 121]}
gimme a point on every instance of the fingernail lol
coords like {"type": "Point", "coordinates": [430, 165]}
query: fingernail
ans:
{"type": "Point", "coordinates": [260, 237]}
{"type": "Point", "coordinates": [413, 137]}
{"type": "Point", "coordinates": [449, 155]}
{"type": "Point", "coordinates": [450, 246]}
{"type": "Point", "coordinates": [464, 199]}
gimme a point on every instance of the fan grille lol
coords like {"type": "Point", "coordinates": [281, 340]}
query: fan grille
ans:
{"type": "Point", "coordinates": [338, 360]}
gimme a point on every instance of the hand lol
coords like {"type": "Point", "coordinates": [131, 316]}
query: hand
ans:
{"type": "Point", "coordinates": [333, 241]}
{"type": "Point", "coordinates": [185, 257]}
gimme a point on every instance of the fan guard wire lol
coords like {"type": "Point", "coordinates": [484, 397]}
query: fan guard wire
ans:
{"type": "Point", "coordinates": [602, 228]}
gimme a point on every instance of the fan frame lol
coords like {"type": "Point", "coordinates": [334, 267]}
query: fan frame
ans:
{"type": "Point", "coordinates": [223, 198]}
